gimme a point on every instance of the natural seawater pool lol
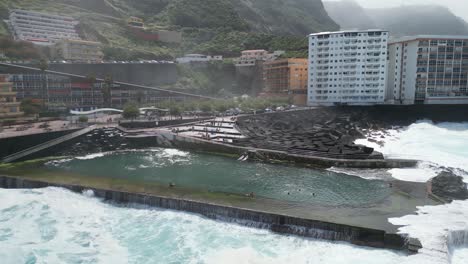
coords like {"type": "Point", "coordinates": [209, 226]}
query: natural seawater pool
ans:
{"type": "Point", "coordinates": [227, 175]}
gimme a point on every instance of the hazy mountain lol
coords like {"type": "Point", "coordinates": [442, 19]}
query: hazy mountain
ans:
{"type": "Point", "coordinates": [349, 15]}
{"type": "Point", "coordinates": [410, 20]}
{"type": "Point", "coordinates": [404, 20]}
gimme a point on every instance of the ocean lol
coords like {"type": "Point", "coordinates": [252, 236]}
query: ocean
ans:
{"type": "Point", "coordinates": [53, 225]}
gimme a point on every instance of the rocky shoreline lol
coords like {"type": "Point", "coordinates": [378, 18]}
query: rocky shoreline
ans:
{"type": "Point", "coordinates": [326, 132]}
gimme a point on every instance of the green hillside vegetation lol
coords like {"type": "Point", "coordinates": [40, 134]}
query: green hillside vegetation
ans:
{"type": "Point", "coordinates": [222, 27]}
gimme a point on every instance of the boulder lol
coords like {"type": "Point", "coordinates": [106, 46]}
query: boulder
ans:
{"type": "Point", "coordinates": [449, 186]}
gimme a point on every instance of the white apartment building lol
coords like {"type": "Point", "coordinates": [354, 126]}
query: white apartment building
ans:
{"type": "Point", "coordinates": [428, 70]}
{"type": "Point", "coordinates": [41, 28]}
{"type": "Point", "coordinates": [189, 58]}
{"type": "Point", "coordinates": [347, 68]}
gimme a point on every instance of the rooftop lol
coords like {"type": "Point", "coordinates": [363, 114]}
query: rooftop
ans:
{"type": "Point", "coordinates": [427, 37]}
{"type": "Point", "coordinates": [41, 14]}
{"type": "Point", "coordinates": [347, 31]}
{"type": "Point", "coordinates": [261, 50]}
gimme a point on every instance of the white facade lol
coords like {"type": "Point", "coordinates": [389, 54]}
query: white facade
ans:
{"type": "Point", "coordinates": [347, 68]}
{"type": "Point", "coordinates": [40, 28]}
{"type": "Point", "coordinates": [188, 58]}
{"type": "Point", "coordinates": [428, 70]}
{"type": "Point", "coordinates": [78, 50]}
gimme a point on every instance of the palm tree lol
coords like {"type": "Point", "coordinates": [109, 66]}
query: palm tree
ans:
{"type": "Point", "coordinates": [106, 91]}
{"type": "Point", "coordinates": [43, 66]}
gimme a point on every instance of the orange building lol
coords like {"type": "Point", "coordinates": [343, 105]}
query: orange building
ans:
{"type": "Point", "coordinates": [286, 77]}
{"type": "Point", "coordinates": [9, 107]}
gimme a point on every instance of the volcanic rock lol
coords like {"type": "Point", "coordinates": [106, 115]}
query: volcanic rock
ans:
{"type": "Point", "coordinates": [449, 186]}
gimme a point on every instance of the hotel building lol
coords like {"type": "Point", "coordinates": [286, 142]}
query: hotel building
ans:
{"type": "Point", "coordinates": [286, 78]}
{"type": "Point", "coordinates": [428, 70]}
{"type": "Point", "coordinates": [347, 68]}
{"type": "Point", "coordinates": [41, 28]}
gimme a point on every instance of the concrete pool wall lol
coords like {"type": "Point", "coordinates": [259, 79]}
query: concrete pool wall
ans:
{"type": "Point", "coordinates": [260, 219]}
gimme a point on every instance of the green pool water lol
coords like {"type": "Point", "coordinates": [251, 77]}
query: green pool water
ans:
{"type": "Point", "coordinates": [222, 174]}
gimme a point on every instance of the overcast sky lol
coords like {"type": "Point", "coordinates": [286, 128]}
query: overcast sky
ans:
{"type": "Point", "coordinates": [459, 7]}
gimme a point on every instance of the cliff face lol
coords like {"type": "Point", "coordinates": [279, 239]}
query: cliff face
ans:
{"type": "Point", "coordinates": [400, 21]}
{"type": "Point", "coordinates": [298, 17]}
{"type": "Point", "coordinates": [267, 16]}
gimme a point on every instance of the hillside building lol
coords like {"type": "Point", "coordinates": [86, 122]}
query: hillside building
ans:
{"type": "Point", "coordinates": [135, 22]}
{"type": "Point", "coordinates": [191, 58]}
{"type": "Point", "coordinates": [286, 78]}
{"type": "Point", "coordinates": [41, 28]}
{"type": "Point", "coordinates": [428, 70]}
{"type": "Point", "coordinates": [9, 107]}
{"type": "Point", "coordinates": [78, 50]}
{"type": "Point", "coordinates": [347, 68]}
{"type": "Point", "coordinates": [251, 57]}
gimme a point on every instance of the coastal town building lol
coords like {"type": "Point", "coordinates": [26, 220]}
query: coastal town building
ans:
{"type": "Point", "coordinates": [137, 27]}
{"type": "Point", "coordinates": [347, 67]}
{"type": "Point", "coordinates": [41, 28]}
{"type": "Point", "coordinates": [78, 50]}
{"type": "Point", "coordinates": [59, 93]}
{"type": "Point", "coordinates": [286, 78]}
{"type": "Point", "coordinates": [135, 22]}
{"type": "Point", "coordinates": [428, 70]}
{"type": "Point", "coordinates": [9, 106]}
{"type": "Point", "coordinates": [190, 58]}
{"type": "Point", "coordinates": [251, 57]}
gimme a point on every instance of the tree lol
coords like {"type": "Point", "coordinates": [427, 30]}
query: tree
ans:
{"type": "Point", "coordinates": [175, 110]}
{"type": "Point", "coordinates": [206, 106]}
{"type": "Point", "coordinates": [221, 106]}
{"type": "Point", "coordinates": [83, 119]}
{"type": "Point", "coordinates": [30, 107]}
{"type": "Point", "coordinates": [43, 66]}
{"type": "Point", "coordinates": [106, 91]}
{"type": "Point", "coordinates": [131, 111]}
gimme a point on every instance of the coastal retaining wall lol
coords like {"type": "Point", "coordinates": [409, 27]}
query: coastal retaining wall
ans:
{"type": "Point", "coordinates": [152, 124]}
{"type": "Point", "coordinates": [275, 222]}
{"type": "Point", "coordinates": [168, 139]}
{"type": "Point", "coordinates": [150, 74]}
{"type": "Point", "coordinates": [13, 145]}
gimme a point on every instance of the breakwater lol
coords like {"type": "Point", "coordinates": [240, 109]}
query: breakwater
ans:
{"type": "Point", "coordinates": [261, 219]}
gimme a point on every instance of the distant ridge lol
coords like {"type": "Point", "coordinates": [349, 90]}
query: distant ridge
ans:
{"type": "Point", "coordinates": [400, 21]}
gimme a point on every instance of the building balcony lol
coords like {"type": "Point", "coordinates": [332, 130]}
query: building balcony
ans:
{"type": "Point", "coordinates": [3, 94]}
